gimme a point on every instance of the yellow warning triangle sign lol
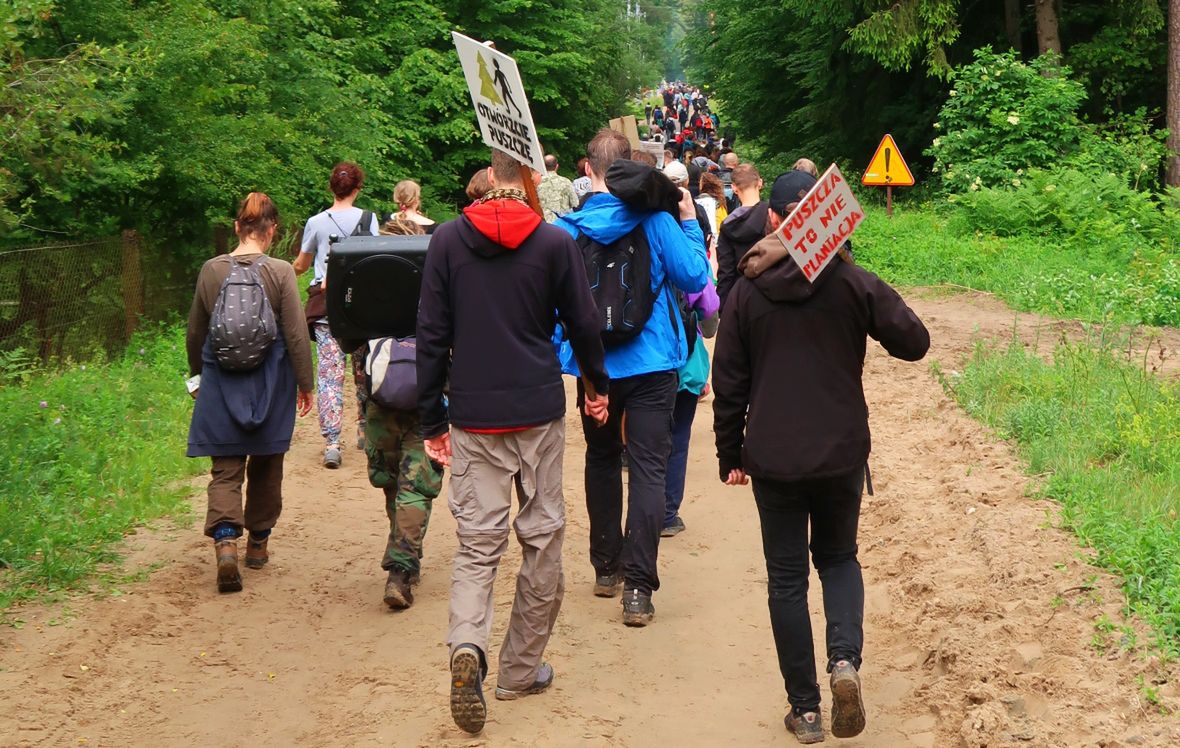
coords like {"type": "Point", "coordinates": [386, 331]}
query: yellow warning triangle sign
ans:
{"type": "Point", "coordinates": [888, 168]}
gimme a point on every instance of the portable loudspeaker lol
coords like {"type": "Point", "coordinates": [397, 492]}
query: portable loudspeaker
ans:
{"type": "Point", "coordinates": [373, 286]}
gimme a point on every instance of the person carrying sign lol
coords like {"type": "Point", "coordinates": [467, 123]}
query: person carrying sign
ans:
{"type": "Point", "coordinates": [496, 282]}
{"type": "Point", "coordinates": [789, 413]}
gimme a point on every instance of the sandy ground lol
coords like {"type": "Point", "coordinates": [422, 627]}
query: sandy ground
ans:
{"type": "Point", "coordinates": [965, 645]}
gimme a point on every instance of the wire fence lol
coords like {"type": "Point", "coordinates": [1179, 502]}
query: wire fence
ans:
{"type": "Point", "coordinates": [76, 300]}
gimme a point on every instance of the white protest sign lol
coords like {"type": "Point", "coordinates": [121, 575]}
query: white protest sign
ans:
{"type": "Point", "coordinates": [821, 223]}
{"type": "Point", "coordinates": [656, 150]}
{"type": "Point", "coordinates": [501, 107]}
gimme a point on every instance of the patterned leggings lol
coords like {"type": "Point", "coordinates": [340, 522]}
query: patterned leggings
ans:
{"type": "Point", "coordinates": [330, 384]}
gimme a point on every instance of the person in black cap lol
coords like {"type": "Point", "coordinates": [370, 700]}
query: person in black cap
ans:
{"type": "Point", "coordinates": [789, 412]}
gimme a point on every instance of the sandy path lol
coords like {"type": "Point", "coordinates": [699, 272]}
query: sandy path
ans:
{"type": "Point", "coordinates": [964, 646]}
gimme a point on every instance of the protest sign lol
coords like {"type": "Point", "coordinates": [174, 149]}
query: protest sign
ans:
{"type": "Point", "coordinates": [821, 223]}
{"type": "Point", "coordinates": [655, 149]}
{"type": "Point", "coordinates": [629, 126]}
{"type": "Point", "coordinates": [501, 107]}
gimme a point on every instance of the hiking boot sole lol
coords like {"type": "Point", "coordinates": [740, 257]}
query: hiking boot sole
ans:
{"type": "Point", "coordinates": [467, 704]}
{"type": "Point", "coordinates": [848, 709]}
{"type": "Point", "coordinates": [229, 579]}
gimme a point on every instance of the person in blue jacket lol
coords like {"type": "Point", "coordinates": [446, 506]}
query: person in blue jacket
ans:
{"type": "Point", "coordinates": [643, 384]}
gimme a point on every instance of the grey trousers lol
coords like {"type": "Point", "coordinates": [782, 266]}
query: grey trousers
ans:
{"type": "Point", "coordinates": [485, 468]}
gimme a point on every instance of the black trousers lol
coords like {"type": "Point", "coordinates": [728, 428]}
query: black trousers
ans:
{"type": "Point", "coordinates": [647, 400]}
{"type": "Point", "coordinates": [832, 507]}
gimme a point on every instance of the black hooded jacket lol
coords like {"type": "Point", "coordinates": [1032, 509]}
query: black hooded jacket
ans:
{"type": "Point", "coordinates": [496, 282]}
{"type": "Point", "coordinates": [788, 400]}
{"type": "Point", "coordinates": [738, 232]}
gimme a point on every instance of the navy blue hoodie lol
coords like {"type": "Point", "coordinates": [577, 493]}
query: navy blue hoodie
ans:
{"type": "Point", "coordinates": [496, 282]}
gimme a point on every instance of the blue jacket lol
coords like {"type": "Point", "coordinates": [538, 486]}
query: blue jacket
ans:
{"type": "Point", "coordinates": [244, 412]}
{"type": "Point", "coordinates": [677, 259]}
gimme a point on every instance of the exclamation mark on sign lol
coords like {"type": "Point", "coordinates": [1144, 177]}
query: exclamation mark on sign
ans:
{"type": "Point", "coordinates": [888, 176]}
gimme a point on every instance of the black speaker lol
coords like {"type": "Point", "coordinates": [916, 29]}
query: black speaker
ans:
{"type": "Point", "coordinates": [373, 286]}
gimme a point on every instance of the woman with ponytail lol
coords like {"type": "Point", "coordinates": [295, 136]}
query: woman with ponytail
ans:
{"type": "Point", "coordinates": [342, 219]}
{"type": "Point", "coordinates": [408, 196]}
{"type": "Point", "coordinates": [243, 418]}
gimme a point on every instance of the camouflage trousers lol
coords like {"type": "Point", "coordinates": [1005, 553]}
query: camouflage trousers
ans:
{"type": "Point", "coordinates": [398, 465]}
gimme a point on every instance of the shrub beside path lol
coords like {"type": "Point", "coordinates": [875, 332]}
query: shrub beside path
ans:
{"type": "Point", "coordinates": [980, 616]}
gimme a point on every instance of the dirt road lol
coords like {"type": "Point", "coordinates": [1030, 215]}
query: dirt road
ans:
{"type": "Point", "coordinates": [965, 643]}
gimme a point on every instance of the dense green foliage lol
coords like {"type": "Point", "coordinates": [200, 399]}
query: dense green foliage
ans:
{"type": "Point", "coordinates": [826, 80]}
{"type": "Point", "coordinates": [1003, 116]}
{"type": "Point", "coordinates": [160, 116]}
{"type": "Point", "coordinates": [1107, 434]}
{"type": "Point", "coordinates": [89, 454]}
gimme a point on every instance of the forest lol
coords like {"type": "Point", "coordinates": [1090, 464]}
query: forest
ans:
{"type": "Point", "coordinates": [159, 116]}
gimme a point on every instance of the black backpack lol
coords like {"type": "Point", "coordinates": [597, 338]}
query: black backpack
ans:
{"type": "Point", "coordinates": [620, 281]}
{"type": "Point", "coordinates": [242, 327]}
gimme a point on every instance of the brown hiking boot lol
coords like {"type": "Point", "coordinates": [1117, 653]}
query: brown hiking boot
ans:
{"type": "Point", "coordinates": [229, 579]}
{"type": "Point", "coordinates": [808, 727]}
{"type": "Point", "coordinates": [256, 555]}
{"type": "Point", "coordinates": [848, 708]}
{"type": "Point", "coordinates": [398, 595]}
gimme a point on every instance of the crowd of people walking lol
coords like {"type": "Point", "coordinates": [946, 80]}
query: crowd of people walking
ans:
{"type": "Point", "coordinates": [614, 278]}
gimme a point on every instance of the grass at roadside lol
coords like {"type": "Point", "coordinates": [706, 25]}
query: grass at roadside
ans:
{"type": "Point", "coordinates": [1105, 433]}
{"type": "Point", "coordinates": [89, 453]}
{"type": "Point", "coordinates": [1075, 276]}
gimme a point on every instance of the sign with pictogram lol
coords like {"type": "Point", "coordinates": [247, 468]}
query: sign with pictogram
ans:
{"type": "Point", "coordinates": [887, 167]}
{"type": "Point", "coordinates": [501, 107]}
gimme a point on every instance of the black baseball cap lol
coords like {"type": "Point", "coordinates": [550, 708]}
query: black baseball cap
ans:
{"type": "Point", "coordinates": [789, 188]}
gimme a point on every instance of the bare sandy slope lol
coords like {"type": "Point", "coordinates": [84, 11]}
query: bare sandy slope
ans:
{"type": "Point", "coordinates": [964, 644]}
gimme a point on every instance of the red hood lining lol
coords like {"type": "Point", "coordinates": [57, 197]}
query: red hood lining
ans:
{"type": "Point", "coordinates": [506, 222]}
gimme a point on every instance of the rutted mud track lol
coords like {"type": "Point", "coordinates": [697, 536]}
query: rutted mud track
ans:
{"type": "Point", "coordinates": [964, 643]}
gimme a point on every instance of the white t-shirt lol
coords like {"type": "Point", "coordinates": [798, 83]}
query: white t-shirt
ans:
{"type": "Point", "coordinates": [321, 226]}
{"type": "Point", "coordinates": [709, 203]}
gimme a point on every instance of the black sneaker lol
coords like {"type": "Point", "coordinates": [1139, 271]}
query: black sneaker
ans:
{"type": "Point", "coordinates": [637, 609]}
{"type": "Point", "coordinates": [468, 708]}
{"type": "Point", "coordinates": [673, 529]}
{"type": "Point", "coordinates": [848, 709]}
{"type": "Point", "coordinates": [607, 585]}
{"type": "Point", "coordinates": [807, 727]}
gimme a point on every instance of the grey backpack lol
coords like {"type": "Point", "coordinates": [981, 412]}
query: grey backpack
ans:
{"type": "Point", "coordinates": [392, 370]}
{"type": "Point", "coordinates": [243, 325]}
